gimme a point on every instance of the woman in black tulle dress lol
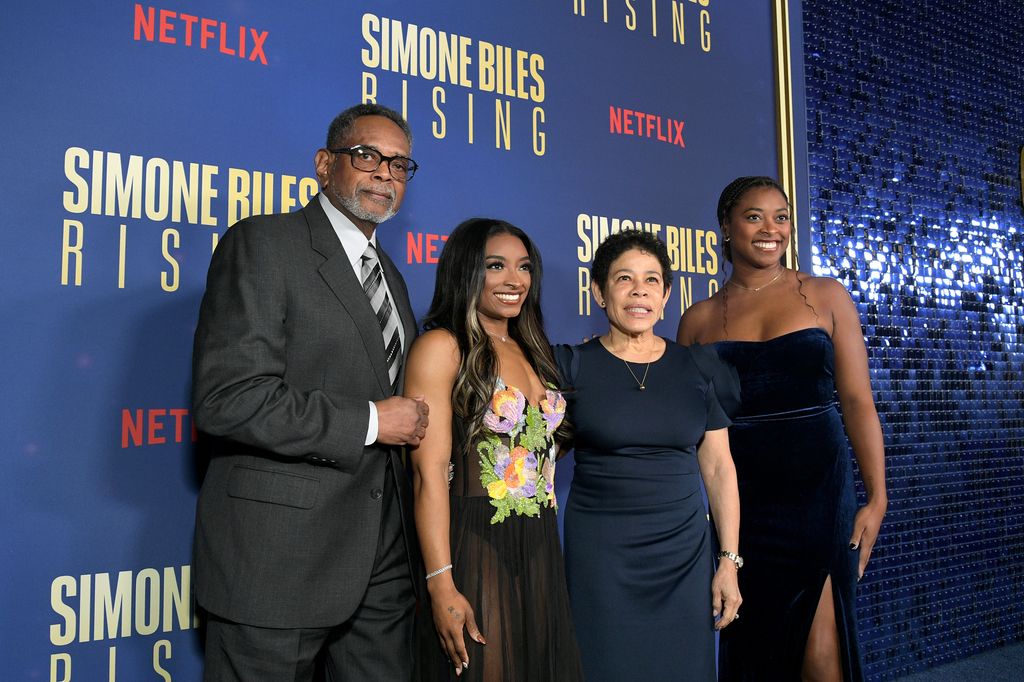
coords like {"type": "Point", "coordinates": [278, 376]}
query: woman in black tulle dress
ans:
{"type": "Point", "coordinates": [795, 341]}
{"type": "Point", "coordinates": [484, 473]}
{"type": "Point", "coordinates": [648, 427]}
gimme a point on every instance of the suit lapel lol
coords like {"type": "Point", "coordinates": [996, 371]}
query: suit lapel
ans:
{"type": "Point", "coordinates": [337, 272]}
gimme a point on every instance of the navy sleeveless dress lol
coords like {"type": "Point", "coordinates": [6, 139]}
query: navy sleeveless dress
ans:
{"type": "Point", "coordinates": [797, 504]}
{"type": "Point", "coordinates": [638, 544]}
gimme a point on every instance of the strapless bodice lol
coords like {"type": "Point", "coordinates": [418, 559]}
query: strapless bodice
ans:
{"type": "Point", "coordinates": [791, 373]}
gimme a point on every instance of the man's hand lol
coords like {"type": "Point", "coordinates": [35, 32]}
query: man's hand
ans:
{"type": "Point", "coordinates": [401, 421]}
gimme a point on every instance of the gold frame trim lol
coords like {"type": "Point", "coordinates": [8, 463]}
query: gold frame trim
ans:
{"type": "Point", "coordinates": [784, 117]}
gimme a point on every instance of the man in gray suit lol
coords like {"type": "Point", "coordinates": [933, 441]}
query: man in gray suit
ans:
{"type": "Point", "coordinates": [303, 548]}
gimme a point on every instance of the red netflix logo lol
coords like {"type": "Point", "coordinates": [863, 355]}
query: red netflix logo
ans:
{"type": "Point", "coordinates": [166, 26]}
{"type": "Point", "coordinates": [155, 426]}
{"type": "Point", "coordinates": [628, 122]}
{"type": "Point", "coordinates": [423, 247]}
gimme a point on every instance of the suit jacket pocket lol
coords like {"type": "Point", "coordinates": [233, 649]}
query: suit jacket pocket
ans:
{"type": "Point", "coordinates": [275, 487]}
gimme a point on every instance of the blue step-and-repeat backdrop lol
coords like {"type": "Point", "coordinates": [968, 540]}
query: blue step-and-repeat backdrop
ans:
{"type": "Point", "coordinates": [136, 134]}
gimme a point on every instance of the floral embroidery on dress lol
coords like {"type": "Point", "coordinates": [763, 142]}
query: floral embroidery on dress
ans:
{"type": "Point", "coordinates": [520, 475]}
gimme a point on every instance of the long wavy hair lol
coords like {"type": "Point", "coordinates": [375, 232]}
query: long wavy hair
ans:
{"type": "Point", "coordinates": [457, 289]}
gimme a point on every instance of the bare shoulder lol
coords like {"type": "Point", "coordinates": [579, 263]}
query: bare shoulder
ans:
{"type": "Point", "coordinates": [825, 290]}
{"type": "Point", "coordinates": [697, 319]}
{"type": "Point", "coordinates": [436, 350]}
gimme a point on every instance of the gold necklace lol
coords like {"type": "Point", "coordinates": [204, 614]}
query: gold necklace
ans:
{"type": "Point", "coordinates": [757, 289]}
{"type": "Point", "coordinates": [639, 382]}
{"type": "Point", "coordinates": [503, 339]}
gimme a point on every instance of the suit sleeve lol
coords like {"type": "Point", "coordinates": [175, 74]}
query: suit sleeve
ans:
{"type": "Point", "coordinates": [239, 361]}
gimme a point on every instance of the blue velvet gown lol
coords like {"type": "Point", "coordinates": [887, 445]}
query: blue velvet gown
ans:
{"type": "Point", "coordinates": [638, 544]}
{"type": "Point", "coordinates": [797, 505]}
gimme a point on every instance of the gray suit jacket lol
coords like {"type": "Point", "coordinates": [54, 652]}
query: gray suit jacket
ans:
{"type": "Point", "coordinates": [287, 354]}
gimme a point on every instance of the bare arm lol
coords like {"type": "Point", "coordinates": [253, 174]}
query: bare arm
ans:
{"type": "Point", "coordinates": [719, 474]}
{"type": "Point", "coordinates": [431, 371]}
{"type": "Point", "coordinates": [860, 416]}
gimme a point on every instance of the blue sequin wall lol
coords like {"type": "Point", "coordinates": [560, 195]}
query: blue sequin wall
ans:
{"type": "Point", "coordinates": [915, 125]}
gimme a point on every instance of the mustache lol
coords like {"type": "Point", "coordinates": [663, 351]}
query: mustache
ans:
{"type": "Point", "coordinates": [379, 189]}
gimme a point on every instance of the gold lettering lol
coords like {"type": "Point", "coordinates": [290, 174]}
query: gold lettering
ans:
{"type": "Point", "coordinates": [705, 34]}
{"type": "Point", "coordinates": [184, 192]}
{"type": "Point", "coordinates": [123, 189]}
{"type": "Point", "coordinates": [308, 187]}
{"type": "Point", "coordinates": [147, 593]}
{"type": "Point", "coordinates": [238, 195]}
{"type": "Point", "coordinates": [76, 202]}
{"type": "Point", "coordinates": [678, 23]}
{"type": "Point", "coordinates": [427, 53]}
{"type": "Point", "coordinates": [71, 249]}
{"type": "Point", "coordinates": [209, 194]}
{"type": "Point", "coordinates": [171, 239]}
{"type": "Point", "coordinates": [371, 54]}
{"type": "Point", "coordinates": [369, 95]}
{"type": "Point", "coordinates": [60, 658]}
{"type": "Point", "coordinates": [685, 293]}
{"type": "Point", "coordinates": [584, 290]}
{"type": "Point", "coordinates": [537, 89]}
{"type": "Point", "coordinates": [163, 646]}
{"type": "Point", "coordinates": [157, 196]}
{"type": "Point", "coordinates": [487, 74]}
{"type": "Point", "coordinates": [62, 635]}
{"type": "Point", "coordinates": [287, 201]}
{"type": "Point", "coordinates": [502, 124]}
{"type": "Point", "coordinates": [112, 608]}
{"type": "Point", "coordinates": [121, 251]}
{"type": "Point", "coordinates": [539, 137]}
{"type": "Point", "coordinates": [438, 127]}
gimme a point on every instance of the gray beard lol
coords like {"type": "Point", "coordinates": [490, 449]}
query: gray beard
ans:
{"type": "Point", "coordinates": [356, 209]}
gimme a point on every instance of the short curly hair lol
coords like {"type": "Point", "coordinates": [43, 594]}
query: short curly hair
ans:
{"type": "Point", "coordinates": [619, 243]}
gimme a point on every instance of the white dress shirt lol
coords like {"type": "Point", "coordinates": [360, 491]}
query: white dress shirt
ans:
{"type": "Point", "coordinates": [354, 242]}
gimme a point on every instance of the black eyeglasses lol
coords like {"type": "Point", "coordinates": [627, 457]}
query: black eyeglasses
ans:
{"type": "Point", "coordinates": [368, 159]}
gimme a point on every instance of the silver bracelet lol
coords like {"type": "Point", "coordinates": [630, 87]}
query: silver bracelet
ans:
{"type": "Point", "coordinates": [438, 571]}
{"type": "Point", "coordinates": [733, 557]}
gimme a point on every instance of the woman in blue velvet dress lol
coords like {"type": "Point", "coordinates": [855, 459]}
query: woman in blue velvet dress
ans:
{"type": "Point", "coordinates": [646, 598]}
{"type": "Point", "coordinates": [795, 341]}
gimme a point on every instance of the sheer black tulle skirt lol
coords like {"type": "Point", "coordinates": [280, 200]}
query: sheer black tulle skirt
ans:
{"type": "Point", "coordinates": [513, 576]}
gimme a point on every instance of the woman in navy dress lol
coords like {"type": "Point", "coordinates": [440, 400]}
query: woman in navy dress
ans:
{"type": "Point", "coordinates": [795, 341]}
{"type": "Point", "coordinates": [646, 598]}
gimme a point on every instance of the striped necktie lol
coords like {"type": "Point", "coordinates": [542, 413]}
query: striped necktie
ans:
{"type": "Point", "coordinates": [377, 293]}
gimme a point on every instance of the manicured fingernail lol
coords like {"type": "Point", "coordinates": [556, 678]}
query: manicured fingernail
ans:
{"type": "Point", "coordinates": [465, 664]}
{"type": "Point", "coordinates": [853, 545]}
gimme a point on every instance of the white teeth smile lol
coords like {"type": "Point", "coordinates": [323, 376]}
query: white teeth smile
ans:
{"type": "Point", "coordinates": [767, 246]}
{"type": "Point", "coordinates": [637, 310]}
{"type": "Point", "coordinates": [509, 298]}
